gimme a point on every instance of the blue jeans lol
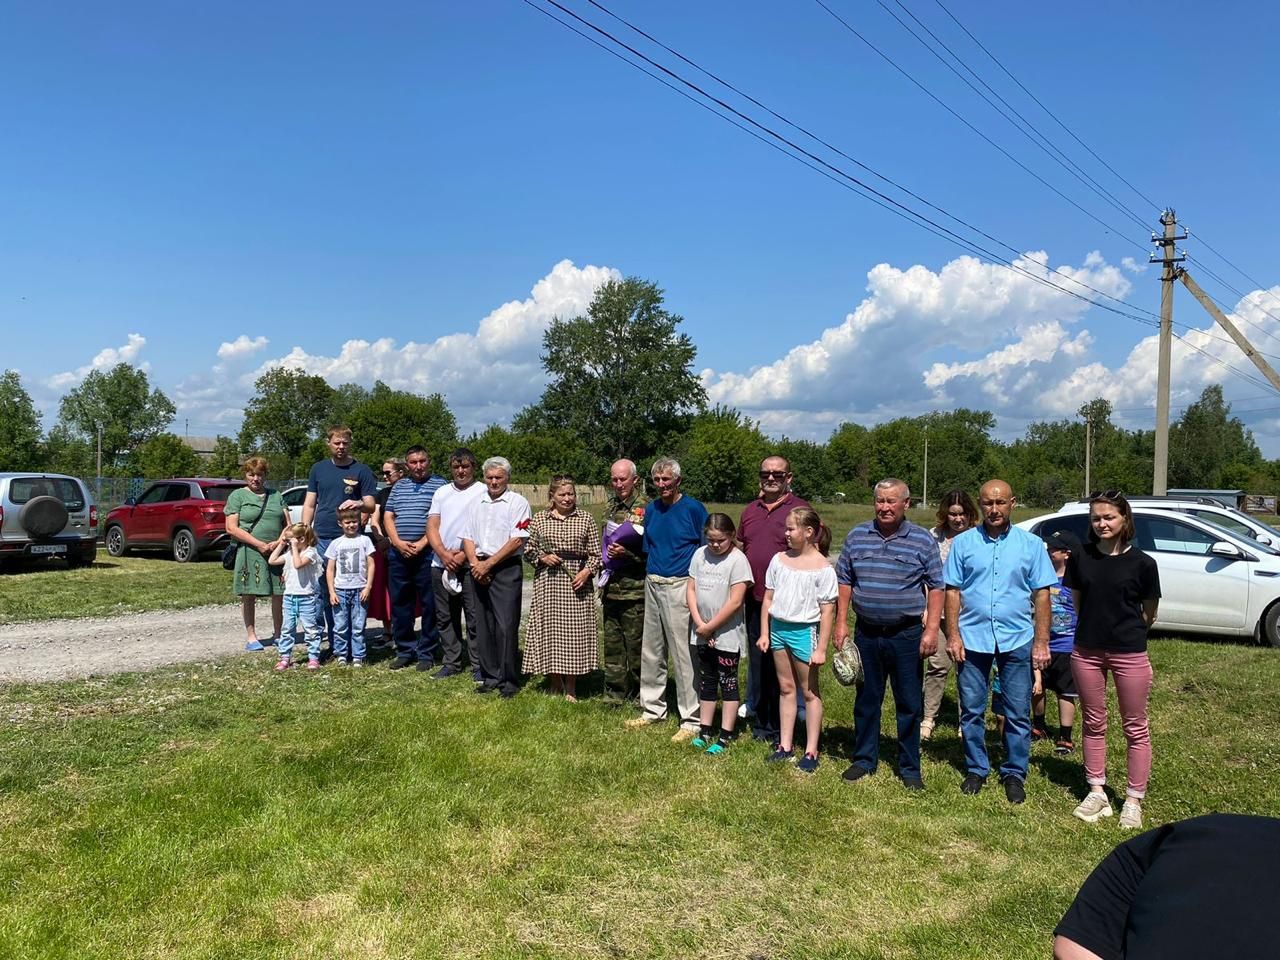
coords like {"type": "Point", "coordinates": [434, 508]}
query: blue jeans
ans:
{"type": "Point", "coordinates": [301, 609]}
{"type": "Point", "coordinates": [348, 625]}
{"type": "Point", "coordinates": [409, 583]}
{"type": "Point", "coordinates": [893, 655]}
{"type": "Point", "coordinates": [972, 677]}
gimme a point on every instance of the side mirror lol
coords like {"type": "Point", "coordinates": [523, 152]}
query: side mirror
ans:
{"type": "Point", "coordinates": [1224, 549]}
{"type": "Point", "coordinates": [1264, 539]}
{"type": "Point", "coordinates": [130, 501]}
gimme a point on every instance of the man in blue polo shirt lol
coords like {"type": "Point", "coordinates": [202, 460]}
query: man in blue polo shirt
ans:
{"type": "Point", "coordinates": [409, 562]}
{"type": "Point", "coordinates": [996, 574]}
{"type": "Point", "coordinates": [890, 570]}
{"type": "Point", "coordinates": [672, 532]}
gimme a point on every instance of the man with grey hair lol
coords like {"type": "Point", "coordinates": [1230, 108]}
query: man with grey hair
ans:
{"type": "Point", "coordinates": [672, 532]}
{"type": "Point", "coordinates": [493, 540]}
{"type": "Point", "coordinates": [891, 571]}
{"type": "Point", "coordinates": [623, 596]}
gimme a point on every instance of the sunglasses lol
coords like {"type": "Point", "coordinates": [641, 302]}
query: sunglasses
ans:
{"type": "Point", "coordinates": [773, 474]}
{"type": "Point", "coordinates": [1107, 494]}
{"type": "Point", "coordinates": [387, 473]}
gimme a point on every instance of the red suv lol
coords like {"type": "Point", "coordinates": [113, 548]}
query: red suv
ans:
{"type": "Point", "coordinates": [184, 515]}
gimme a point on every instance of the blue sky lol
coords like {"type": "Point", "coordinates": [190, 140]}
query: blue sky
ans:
{"type": "Point", "coordinates": [411, 191]}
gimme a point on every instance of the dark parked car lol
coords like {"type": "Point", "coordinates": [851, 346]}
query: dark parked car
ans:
{"type": "Point", "coordinates": [47, 515]}
{"type": "Point", "coordinates": [183, 515]}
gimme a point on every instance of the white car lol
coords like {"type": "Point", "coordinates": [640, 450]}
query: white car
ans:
{"type": "Point", "coordinates": [1211, 580]}
{"type": "Point", "coordinates": [1228, 518]}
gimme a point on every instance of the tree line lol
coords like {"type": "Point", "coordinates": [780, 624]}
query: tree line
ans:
{"type": "Point", "coordinates": [621, 382]}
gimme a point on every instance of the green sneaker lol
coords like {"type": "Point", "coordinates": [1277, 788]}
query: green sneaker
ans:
{"type": "Point", "coordinates": [700, 743]}
{"type": "Point", "coordinates": [716, 748]}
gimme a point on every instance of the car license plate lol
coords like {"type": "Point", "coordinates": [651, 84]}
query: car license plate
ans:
{"type": "Point", "coordinates": [48, 548]}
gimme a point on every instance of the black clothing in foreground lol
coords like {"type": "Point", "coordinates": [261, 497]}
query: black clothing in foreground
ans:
{"type": "Point", "coordinates": [1192, 889]}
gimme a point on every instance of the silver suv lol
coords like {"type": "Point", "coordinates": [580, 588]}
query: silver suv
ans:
{"type": "Point", "coordinates": [47, 515]}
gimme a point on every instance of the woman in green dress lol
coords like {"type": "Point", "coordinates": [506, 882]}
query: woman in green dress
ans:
{"type": "Point", "coordinates": [256, 517]}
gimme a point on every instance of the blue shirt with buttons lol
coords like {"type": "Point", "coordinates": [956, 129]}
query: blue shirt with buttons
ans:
{"type": "Point", "coordinates": [997, 578]}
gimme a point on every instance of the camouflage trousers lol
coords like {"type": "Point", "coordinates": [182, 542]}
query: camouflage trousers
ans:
{"type": "Point", "coordinates": [621, 637]}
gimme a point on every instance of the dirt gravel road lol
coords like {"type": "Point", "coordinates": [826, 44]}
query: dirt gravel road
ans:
{"type": "Point", "coordinates": [95, 646]}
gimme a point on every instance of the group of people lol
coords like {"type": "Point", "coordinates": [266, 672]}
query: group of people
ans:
{"type": "Point", "coordinates": [686, 594]}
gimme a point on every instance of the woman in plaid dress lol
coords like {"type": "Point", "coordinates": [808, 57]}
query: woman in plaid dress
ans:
{"type": "Point", "coordinates": [561, 636]}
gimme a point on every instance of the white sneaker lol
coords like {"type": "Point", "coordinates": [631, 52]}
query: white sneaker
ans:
{"type": "Point", "coordinates": [1131, 815]}
{"type": "Point", "coordinates": [1093, 807]}
{"type": "Point", "coordinates": [742, 711]}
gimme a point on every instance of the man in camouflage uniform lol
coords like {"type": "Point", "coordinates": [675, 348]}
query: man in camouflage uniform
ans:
{"type": "Point", "coordinates": [623, 595]}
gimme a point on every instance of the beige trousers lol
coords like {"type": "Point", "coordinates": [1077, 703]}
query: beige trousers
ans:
{"type": "Point", "coordinates": [666, 634]}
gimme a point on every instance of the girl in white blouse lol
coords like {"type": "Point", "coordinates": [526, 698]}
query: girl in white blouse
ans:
{"type": "Point", "coordinates": [796, 619]}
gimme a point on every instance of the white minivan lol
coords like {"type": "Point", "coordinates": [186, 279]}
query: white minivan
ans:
{"type": "Point", "coordinates": [1211, 579]}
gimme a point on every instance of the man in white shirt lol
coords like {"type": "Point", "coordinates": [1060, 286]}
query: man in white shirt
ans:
{"type": "Point", "coordinates": [445, 522]}
{"type": "Point", "coordinates": [493, 539]}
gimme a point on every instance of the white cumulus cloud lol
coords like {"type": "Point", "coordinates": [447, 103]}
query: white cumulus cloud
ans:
{"type": "Point", "coordinates": [241, 346]}
{"type": "Point", "coordinates": [106, 358]}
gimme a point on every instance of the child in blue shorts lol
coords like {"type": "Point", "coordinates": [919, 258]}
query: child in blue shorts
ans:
{"type": "Point", "coordinates": [796, 620]}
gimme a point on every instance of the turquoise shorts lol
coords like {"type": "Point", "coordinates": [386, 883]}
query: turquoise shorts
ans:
{"type": "Point", "coordinates": [795, 638]}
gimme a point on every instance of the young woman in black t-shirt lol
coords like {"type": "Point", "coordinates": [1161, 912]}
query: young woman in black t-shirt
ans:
{"type": "Point", "coordinates": [1116, 589]}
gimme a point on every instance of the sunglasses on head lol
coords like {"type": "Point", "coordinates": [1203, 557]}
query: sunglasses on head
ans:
{"type": "Point", "coordinates": [1107, 494]}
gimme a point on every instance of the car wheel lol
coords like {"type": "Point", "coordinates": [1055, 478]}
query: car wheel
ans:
{"type": "Point", "coordinates": [184, 546]}
{"type": "Point", "coordinates": [1269, 629]}
{"type": "Point", "coordinates": [116, 544]}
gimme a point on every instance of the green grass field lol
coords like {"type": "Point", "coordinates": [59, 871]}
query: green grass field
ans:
{"type": "Point", "coordinates": [223, 811]}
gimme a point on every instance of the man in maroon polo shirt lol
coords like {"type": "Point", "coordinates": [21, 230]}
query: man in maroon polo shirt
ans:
{"type": "Point", "coordinates": [762, 532]}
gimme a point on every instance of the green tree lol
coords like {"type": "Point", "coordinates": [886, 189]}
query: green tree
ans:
{"type": "Point", "coordinates": [621, 377]}
{"type": "Point", "coordinates": [289, 409]}
{"type": "Point", "coordinates": [64, 452]}
{"type": "Point", "coordinates": [811, 468]}
{"type": "Point", "coordinates": [720, 456]}
{"type": "Point", "coordinates": [165, 455]}
{"type": "Point", "coordinates": [19, 426]}
{"type": "Point", "coordinates": [122, 401]}
{"type": "Point", "coordinates": [387, 422]}
{"type": "Point", "coordinates": [1207, 440]}
{"type": "Point", "coordinates": [849, 452]}
{"type": "Point", "coordinates": [225, 459]}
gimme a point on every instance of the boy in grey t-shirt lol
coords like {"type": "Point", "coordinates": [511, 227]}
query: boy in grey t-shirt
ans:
{"type": "Point", "coordinates": [349, 565]}
{"type": "Point", "coordinates": [719, 576]}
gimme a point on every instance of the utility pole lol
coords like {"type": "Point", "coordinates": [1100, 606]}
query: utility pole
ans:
{"type": "Point", "coordinates": [924, 500]}
{"type": "Point", "coordinates": [97, 493]}
{"type": "Point", "coordinates": [1168, 256]}
{"type": "Point", "coordinates": [1088, 456]}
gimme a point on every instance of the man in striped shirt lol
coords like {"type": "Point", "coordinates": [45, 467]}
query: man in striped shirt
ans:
{"type": "Point", "coordinates": [891, 571]}
{"type": "Point", "coordinates": [409, 562]}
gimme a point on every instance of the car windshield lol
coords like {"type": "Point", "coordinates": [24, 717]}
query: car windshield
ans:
{"type": "Point", "coordinates": [221, 492]}
{"type": "Point", "coordinates": [24, 489]}
{"type": "Point", "coordinates": [1229, 526]}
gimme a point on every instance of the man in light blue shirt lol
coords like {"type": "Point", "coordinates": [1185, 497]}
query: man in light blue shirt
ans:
{"type": "Point", "coordinates": [996, 575]}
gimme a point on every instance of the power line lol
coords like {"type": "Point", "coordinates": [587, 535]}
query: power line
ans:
{"type": "Point", "coordinates": [815, 137]}
{"type": "Point", "coordinates": [1200, 265]}
{"type": "Point", "coordinates": [969, 245]}
{"type": "Point", "coordinates": [1041, 105]}
{"type": "Point", "coordinates": [1043, 143]}
{"type": "Point", "coordinates": [849, 27]}
{"type": "Point", "coordinates": [1257, 283]}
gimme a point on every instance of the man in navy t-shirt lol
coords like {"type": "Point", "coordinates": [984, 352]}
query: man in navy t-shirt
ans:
{"type": "Point", "coordinates": [672, 532]}
{"type": "Point", "coordinates": [334, 484]}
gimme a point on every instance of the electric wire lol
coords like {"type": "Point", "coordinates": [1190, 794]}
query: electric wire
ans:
{"type": "Point", "coordinates": [1042, 106]}
{"type": "Point", "coordinates": [1027, 128]}
{"type": "Point", "coordinates": [970, 245]}
{"type": "Point", "coordinates": [853, 30]}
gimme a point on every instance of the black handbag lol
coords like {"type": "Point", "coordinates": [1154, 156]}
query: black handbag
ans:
{"type": "Point", "coordinates": [233, 548]}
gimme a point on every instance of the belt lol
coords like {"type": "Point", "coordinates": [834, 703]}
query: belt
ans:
{"type": "Point", "coordinates": [883, 629]}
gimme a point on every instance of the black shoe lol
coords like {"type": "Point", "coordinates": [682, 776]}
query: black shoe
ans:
{"type": "Point", "coordinates": [972, 784]}
{"type": "Point", "coordinates": [508, 694]}
{"type": "Point", "coordinates": [1013, 790]}
{"type": "Point", "coordinates": [425, 665]}
{"type": "Point", "coordinates": [485, 688]}
{"type": "Point", "coordinates": [913, 783]}
{"type": "Point", "coordinates": [855, 772]}
{"type": "Point", "coordinates": [445, 672]}
{"type": "Point", "coordinates": [399, 663]}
